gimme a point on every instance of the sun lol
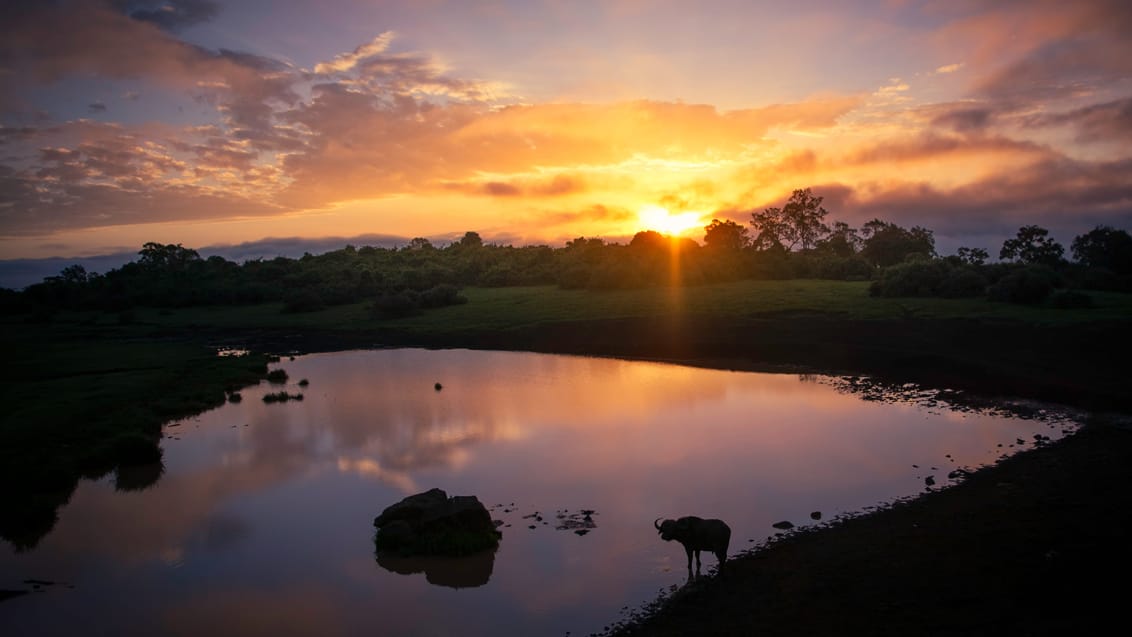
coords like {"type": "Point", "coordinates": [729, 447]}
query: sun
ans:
{"type": "Point", "coordinates": [660, 219]}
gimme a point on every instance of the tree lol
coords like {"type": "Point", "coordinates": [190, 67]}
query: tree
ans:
{"type": "Point", "coordinates": [72, 275]}
{"type": "Point", "coordinates": [843, 241]}
{"type": "Point", "coordinates": [419, 243]}
{"type": "Point", "coordinates": [470, 240]}
{"type": "Point", "coordinates": [798, 224]}
{"type": "Point", "coordinates": [886, 243]}
{"type": "Point", "coordinates": [155, 256]}
{"type": "Point", "coordinates": [1104, 247]}
{"type": "Point", "coordinates": [1032, 245]}
{"type": "Point", "coordinates": [972, 256]}
{"type": "Point", "coordinates": [725, 235]}
{"type": "Point", "coordinates": [649, 240]}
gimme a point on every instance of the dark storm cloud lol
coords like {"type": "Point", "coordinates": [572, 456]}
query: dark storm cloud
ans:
{"type": "Point", "coordinates": [556, 186]}
{"type": "Point", "coordinates": [1064, 195]}
{"type": "Point", "coordinates": [170, 15]}
{"type": "Point", "coordinates": [964, 120]}
{"type": "Point", "coordinates": [1109, 121]}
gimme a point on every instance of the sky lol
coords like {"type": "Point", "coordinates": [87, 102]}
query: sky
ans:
{"type": "Point", "coordinates": [219, 123]}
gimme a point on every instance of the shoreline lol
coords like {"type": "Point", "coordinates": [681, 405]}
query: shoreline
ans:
{"type": "Point", "coordinates": [1018, 547]}
{"type": "Point", "coordinates": [965, 560]}
{"type": "Point", "coordinates": [1026, 546]}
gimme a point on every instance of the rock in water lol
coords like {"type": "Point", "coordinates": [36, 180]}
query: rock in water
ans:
{"type": "Point", "coordinates": [431, 523]}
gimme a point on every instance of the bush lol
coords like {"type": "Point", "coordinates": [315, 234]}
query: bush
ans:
{"type": "Point", "coordinates": [911, 278]}
{"type": "Point", "coordinates": [962, 282]}
{"type": "Point", "coordinates": [397, 304]}
{"type": "Point", "coordinates": [843, 269]}
{"type": "Point", "coordinates": [442, 295]}
{"type": "Point", "coordinates": [920, 277]}
{"type": "Point", "coordinates": [277, 376]}
{"type": "Point", "coordinates": [1029, 285]}
{"type": "Point", "coordinates": [135, 449]}
{"type": "Point", "coordinates": [281, 397]}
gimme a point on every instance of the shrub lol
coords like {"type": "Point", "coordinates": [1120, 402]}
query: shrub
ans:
{"type": "Point", "coordinates": [962, 282]}
{"type": "Point", "coordinates": [277, 376]}
{"type": "Point", "coordinates": [442, 295]}
{"type": "Point", "coordinates": [397, 304]}
{"type": "Point", "coordinates": [1029, 285]}
{"type": "Point", "coordinates": [844, 268]}
{"type": "Point", "coordinates": [911, 278]}
{"type": "Point", "coordinates": [281, 397]}
{"type": "Point", "coordinates": [135, 449]}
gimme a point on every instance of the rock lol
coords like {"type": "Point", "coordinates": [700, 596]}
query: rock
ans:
{"type": "Point", "coordinates": [431, 523]}
{"type": "Point", "coordinates": [816, 515]}
{"type": "Point", "coordinates": [784, 525]}
{"type": "Point", "coordinates": [930, 481]}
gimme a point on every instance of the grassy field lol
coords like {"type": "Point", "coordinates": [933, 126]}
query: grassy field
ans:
{"type": "Point", "coordinates": [84, 400]}
{"type": "Point", "coordinates": [511, 308]}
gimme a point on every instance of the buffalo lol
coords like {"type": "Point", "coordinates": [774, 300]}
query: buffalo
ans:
{"type": "Point", "coordinates": [697, 534]}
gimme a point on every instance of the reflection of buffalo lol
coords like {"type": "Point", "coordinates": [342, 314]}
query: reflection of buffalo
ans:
{"type": "Point", "coordinates": [697, 534]}
{"type": "Point", "coordinates": [455, 572]}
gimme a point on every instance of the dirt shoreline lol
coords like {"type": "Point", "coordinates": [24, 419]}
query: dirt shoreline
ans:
{"type": "Point", "coordinates": [1035, 545]}
{"type": "Point", "coordinates": [1025, 547]}
{"type": "Point", "coordinates": [1022, 548]}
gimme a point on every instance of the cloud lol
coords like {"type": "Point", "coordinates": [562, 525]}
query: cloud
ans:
{"type": "Point", "coordinates": [1026, 50]}
{"type": "Point", "coordinates": [170, 15]}
{"type": "Point", "coordinates": [1064, 195]}
{"type": "Point", "coordinates": [96, 107]}
{"type": "Point", "coordinates": [348, 61]}
{"type": "Point", "coordinates": [556, 186]}
{"type": "Point", "coordinates": [1104, 122]}
{"type": "Point", "coordinates": [949, 68]}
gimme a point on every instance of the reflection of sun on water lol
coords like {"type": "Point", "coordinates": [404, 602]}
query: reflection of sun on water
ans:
{"type": "Point", "coordinates": [664, 222]}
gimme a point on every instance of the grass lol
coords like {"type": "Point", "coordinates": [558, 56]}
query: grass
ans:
{"type": "Point", "coordinates": [85, 399]}
{"type": "Point", "coordinates": [518, 307]}
{"type": "Point", "coordinates": [281, 397]}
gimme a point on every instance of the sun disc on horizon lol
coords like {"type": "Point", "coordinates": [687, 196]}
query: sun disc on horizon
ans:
{"type": "Point", "coordinates": [661, 220]}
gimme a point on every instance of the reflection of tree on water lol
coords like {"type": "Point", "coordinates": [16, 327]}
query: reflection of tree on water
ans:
{"type": "Point", "coordinates": [138, 477]}
{"type": "Point", "coordinates": [455, 572]}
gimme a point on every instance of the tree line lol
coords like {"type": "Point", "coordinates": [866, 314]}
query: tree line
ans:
{"type": "Point", "coordinates": [791, 241]}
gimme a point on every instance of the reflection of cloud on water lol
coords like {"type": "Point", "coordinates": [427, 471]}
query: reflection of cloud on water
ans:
{"type": "Point", "coordinates": [371, 468]}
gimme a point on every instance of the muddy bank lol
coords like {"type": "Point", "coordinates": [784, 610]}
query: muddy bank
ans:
{"type": "Point", "coordinates": [1036, 545]}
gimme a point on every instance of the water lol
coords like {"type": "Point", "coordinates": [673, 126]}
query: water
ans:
{"type": "Point", "coordinates": [262, 521]}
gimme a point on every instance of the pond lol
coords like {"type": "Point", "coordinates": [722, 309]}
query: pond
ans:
{"type": "Point", "coordinates": [262, 521]}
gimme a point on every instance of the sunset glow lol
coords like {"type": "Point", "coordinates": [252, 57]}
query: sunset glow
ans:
{"type": "Point", "coordinates": [664, 222]}
{"type": "Point", "coordinates": [219, 122]}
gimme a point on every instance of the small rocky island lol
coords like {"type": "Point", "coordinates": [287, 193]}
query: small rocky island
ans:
{"type": "Point", "coordinates": [431, 523]}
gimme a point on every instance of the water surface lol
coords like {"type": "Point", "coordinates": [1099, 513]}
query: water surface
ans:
{"type": "Point", "coordinates": [262, 520]}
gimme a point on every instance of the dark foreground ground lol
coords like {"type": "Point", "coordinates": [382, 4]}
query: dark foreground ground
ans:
{"type": "Point", "coordinates": [1037, 545]}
